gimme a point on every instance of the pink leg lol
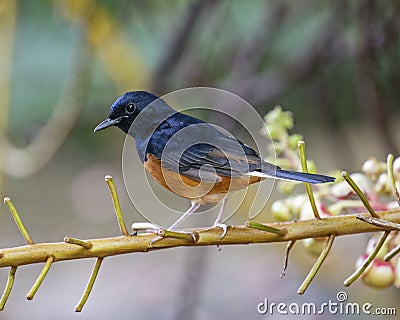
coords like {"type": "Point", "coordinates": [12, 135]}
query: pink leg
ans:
{"type": "Point", "coordinates": [191, 210]}
{"type": "Point", "coordinates": [175, 225]}
{"type": "Point", "coordinates": [218, 222]}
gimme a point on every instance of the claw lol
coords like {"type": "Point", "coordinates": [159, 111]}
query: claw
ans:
{"type": "Point", "coordinates": [194, 236]}
{"type": "Point", "coordinates": [158, 238]}
{"type": "Point", "coordinates": [224, 228]}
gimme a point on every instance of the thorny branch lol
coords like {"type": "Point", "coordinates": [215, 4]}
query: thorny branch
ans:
{"type": "Point", "coordinates": [105, 247]}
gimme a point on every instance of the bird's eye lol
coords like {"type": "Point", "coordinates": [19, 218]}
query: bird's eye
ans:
{"type": "Point", "coordinates": [130, 108]}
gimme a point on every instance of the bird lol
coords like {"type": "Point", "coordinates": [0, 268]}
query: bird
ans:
{"type": "Point", "coordinates": [190, 157]}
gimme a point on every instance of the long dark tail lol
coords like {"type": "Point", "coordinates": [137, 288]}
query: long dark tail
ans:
{"type": "Point", "coordinates": [304, 177]}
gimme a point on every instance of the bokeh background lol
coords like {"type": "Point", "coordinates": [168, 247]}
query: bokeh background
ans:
{"type": "Point", "coordinates": [334, 64]}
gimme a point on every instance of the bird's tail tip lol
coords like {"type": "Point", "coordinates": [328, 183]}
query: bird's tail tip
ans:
{"type": "Point", "coordinates": [303, 177]}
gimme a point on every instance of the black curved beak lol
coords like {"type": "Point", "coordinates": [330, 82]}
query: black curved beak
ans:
{"type": "Point", "coordinates": [107, 123]}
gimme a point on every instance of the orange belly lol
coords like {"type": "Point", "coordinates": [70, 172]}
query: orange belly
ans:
{"type": "Point", "coordinates": [200, 191]}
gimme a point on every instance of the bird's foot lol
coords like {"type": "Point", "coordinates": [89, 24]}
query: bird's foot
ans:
{"type": "Point", "coordinates": [223, 226]}
{"type": "Point", "coordinates": [156, 239]}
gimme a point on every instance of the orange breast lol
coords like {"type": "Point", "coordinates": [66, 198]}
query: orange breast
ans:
{"type": "Point", "coordinates": [192, 189]}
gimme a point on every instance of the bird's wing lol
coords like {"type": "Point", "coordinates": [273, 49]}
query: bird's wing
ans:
{"type": "Point", "coordinates": [219, 155]}
{"type": "Point", "coordinates": [203, 162]}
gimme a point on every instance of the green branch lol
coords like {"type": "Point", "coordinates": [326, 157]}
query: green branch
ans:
{"type": "Point", "coordinates": [104, 247]}
{"type": "Point", "coordinates": [89, 286]}
{"type": "Point", "coordinates": [317, 265]}
{"type": "Point", "coordinates": [303, 160]}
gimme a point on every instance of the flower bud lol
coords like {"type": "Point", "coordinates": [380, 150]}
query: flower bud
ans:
{"type": "Point", "coordinates": [297, 203]}
{"type": "Point", "coordinates": [314, 246]}
{"type": "Point", "coordinates": [278, 122]}
{"type": "Point", "coordinates": [286, 186]}
{"type": "Point", "coordinates": [392, 205]}
{"type": "Point", "coordinates": [373, 168]}
{"type": "Point", "coordinates": [279, 147]}
{"type": "Point", "coordinates": [274, 132]}
{"type": "Point", "coordinates": [379, 275]}
{"type": "Point", "coordinates": [293, 141]}
{"type": "Point", "coordinates": [383, 185]}
{"type": "Point", "coordinates": [281, 211]}
{"type": "Point", "coordinates": [308, 213]}
{"type": "Point", "coordinates": [343, 190]}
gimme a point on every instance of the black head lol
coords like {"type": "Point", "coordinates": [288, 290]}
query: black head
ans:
{"type": "Point", "coordinates": [127, 108]}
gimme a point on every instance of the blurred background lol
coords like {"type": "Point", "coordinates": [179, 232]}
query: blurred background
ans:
{"type": "Point", "coordinates": [335, 65]}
